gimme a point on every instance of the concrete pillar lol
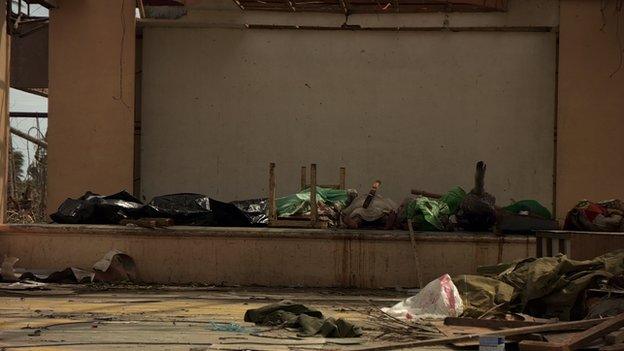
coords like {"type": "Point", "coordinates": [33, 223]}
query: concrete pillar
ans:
{"type": "Point", "coordinates": [91, 98]}
{"type": "Point", "coordinates": [590, 124]}
{"type": "Point", "coordinates": [4, 109]}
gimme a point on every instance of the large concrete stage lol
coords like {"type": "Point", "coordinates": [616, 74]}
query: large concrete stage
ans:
{"type": "Point", "coordinates": [264, 256]}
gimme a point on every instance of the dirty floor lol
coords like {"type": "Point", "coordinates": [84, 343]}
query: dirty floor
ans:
{"type": "Point", "coordinates": [70, 317]}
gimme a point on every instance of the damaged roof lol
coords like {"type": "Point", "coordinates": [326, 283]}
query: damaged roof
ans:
{"type": "Point", "coordinates": [374, 6]}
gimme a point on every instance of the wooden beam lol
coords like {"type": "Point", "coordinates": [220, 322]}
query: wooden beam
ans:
{"type": "Point", "coordinates": [30, 138]}
{"type": "Point", "coordinates": [489, 323]}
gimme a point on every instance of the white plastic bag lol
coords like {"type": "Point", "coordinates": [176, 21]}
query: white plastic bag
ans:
{"type": "Point", "coordinates": [437, 300]}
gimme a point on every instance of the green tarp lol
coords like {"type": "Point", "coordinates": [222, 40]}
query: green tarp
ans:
{"type": "Point", "coordinates": [299, 203]}
{"type": "Point", "coordinates": [433, 214]}
{"type": "Point", "coordinates": [310, 322]}
{"type": "Point", "coordinates": [542, 287]}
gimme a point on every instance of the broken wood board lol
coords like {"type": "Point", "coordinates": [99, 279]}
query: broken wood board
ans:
{"type": "Point", "coordinates": [560, 326]}
{"type": "Point", "coordinates": [578, 340]}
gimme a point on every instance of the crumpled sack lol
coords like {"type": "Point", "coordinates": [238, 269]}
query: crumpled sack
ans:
{"type": "Point", "coordinates": [547, 287]}
{"type": "Point", "coordinates": [309, 321]}
{"type": "Point", "coordinates": [377, 209]}
{"type": "Point", "coordinates": [437, 300]}
{"type": "Point", "coordinates": [606, 216]}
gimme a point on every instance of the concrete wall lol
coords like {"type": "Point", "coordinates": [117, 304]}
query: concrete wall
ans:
{"type": "Point", "coordinates": [265, 257]}
{"type": "Point", "coordinates": [413, 108]}
{"type": "Point", "coordinates": [91, 104]}
{"type": "Point", "coordinates": [590, 162]}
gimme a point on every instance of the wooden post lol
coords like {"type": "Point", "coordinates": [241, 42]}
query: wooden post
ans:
{"type": "Point", "coordinates": [141, 9]}
{"type": "Point", "coordinates": [272, 205]}
{"type": "Point", "coordinates": [342, 182]}
{"type": "Point", "coordinates": [303, 178]}
{"type": "Point", "coordinates": [313, 204]}
{"type": "Point", "coordinates": [5, 139]}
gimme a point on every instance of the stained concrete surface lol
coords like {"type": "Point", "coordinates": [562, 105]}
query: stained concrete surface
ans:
{"type": "Point", "coordinates": [166, 318]}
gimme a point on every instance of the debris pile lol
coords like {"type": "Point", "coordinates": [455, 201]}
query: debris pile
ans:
{"type": "Point", "coordinates": [550, 303]}
{"type": "Point", "coordinates": [605, 216]}
{"type": "Point", "coordinates": [115, 266]}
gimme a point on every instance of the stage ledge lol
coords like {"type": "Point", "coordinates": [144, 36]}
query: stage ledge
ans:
{"type": "Point", "coordinates": [270, 257]}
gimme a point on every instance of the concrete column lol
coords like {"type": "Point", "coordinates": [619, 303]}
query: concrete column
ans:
{"type": "Point", "coordinates": [4, 109]}
{"type": "Point", "coordinates": [590, 125]}
{"type": "Point", "coordinates": [91, 101]}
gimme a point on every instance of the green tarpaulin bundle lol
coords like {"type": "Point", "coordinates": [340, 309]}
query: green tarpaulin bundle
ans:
{"type": "Point", "coordinates": [310, 322]}
{"type": "Point", "coordinates": [547, 287]}
{"type": "Point", "coordinates": [299, 203]}
{"type": "Point", "coordinates": [433, 214]}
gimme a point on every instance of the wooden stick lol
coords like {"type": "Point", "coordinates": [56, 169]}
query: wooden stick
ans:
{"type": "Point", "coordinates": [494, 308]}
{"type": "Point", "coordinates": [272, 205]}
{"type": "Point", "coordinates": [342, 182]}
{"type": "Point", "coordinates": [561, 326]}
{"type": "Point", "coordinates": [313, 204]}
{"type": "Point", "coordinates": [303, 178]}
{"type": "Point", "coordinates": [410, 226]}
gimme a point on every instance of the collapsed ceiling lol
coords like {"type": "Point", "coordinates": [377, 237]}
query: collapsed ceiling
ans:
{"type": "Point", "coordinates": [374, 6]}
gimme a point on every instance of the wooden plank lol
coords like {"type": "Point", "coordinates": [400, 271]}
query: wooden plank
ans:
{"type": "Point", "coordinates": [489, 323]}
{"type": "Point", "coordinates": [578, 340]}
{"type": "Point", "coordinates": [313, 203]}
{"type": "Point", "coordinates": [552, 327]}
{"type": "Point", "coordinates": [586, 337]}
{"type": "Point", "coordinates": [531, 345]}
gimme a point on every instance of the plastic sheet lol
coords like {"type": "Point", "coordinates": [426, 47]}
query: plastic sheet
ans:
{"type": "Point", "coordinates": [255, 210]}
{"type": "Point", "coordinates": [96, 209]}
{"type": "Point", "coordinates": [437, 300]}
